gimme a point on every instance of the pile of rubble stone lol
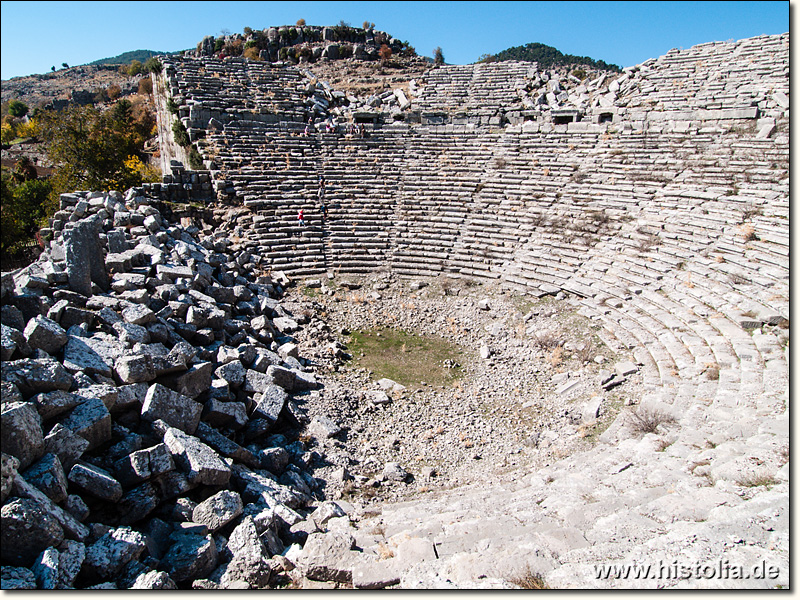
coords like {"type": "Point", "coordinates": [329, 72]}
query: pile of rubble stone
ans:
{"type": "Point", "coordinates": [151, 409]}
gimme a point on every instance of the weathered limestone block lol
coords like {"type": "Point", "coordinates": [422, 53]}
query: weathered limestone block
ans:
{"type": "Point", "coordinates": [70, 559]}
{"type": "Point", "coordinates": [139, 502]}
{"type": "Point", "coordinates": [191, 557]}
{"type": "Point", "coordinates": [174, 409]}
{"type": "Point", "coordinates": [326, 557]}
{"type": "Point", "coordinates": [91, 355]}
{"type": "Point", "coordinates": [45, 334]}
{"type": "Point", "coordinates": [52, 404]}
{"type": "Point", "coordinates": [200, 463]}
{"type": "Point", "coordinates": [45, 568]}
{"type": "Point", "coordinates": [48, 475]}
{"type": "Point", "coordinates": [106, 558]}
{"type": "Point", "coordinates": [21, 432]}
{"type": "Point", "coordinates": [90, 420]}
{"type": "Point", "coordinates": [27, 530]}
{"type": "Point", "coordinates": [17, 578]}
{"type": "Point", "coordinates": [141, 465]}
{"type": "Point", "coordinates": [136, 368]}
{"type": "Point", "coordinates": [218, 510]}
{"type": "Point", "coordinates": [36, 376]}
{"type": "Point", "coordinates": [84, 256]}
{"type": "Point", "coordinates": [154, 580]}
{"type": "Point", "coordinates": [98, 482]}
{"type": "Point", "coordinates": [66, 444]}
{"type": "Point", "coordinates": [9, 466]}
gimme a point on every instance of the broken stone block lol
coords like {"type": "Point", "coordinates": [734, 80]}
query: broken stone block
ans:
{"type": "Point", "coordinates": [326, 557]}
{"type": "Point", "coordinates": [154, 580]}
{"type": "Point", "coordinates": [322, 427]}
{"type": "Point", "coordinates": [98, 482]}
{"type": "Point", "coordinates": [84, 257]}
{"type": "Point", "coordinates": [200, 463]}
{"type": "Point", "coordinates": [225, 446]}
{"type": "Point", "coordinates": [70, 559]}
{"type": "Point", "coordinates": [136, 368]}
{"type": "Point", "coordinates": [27, 530]}
{"type": "Point", "coordinates": [17, 578]}
{"type": "Point", "coordinates": [270, 402]}
{"type": "Point", "coordinates": [45, 568]}
{"type": "Point", "coordinates": [106, 558]}
{"type": "Point", "coordinates": [282, 377]}
{"type": "Point", "coordinates": [176, 410]}
{"type": "Point", "coordinates": [218, 510]}
{"type": "Point", "coordinates": [90, 420]}
{"type": "Point", "coordinates": [138, 503]}
{"type": "Point", "coordinates": [21, 432]}
{"type": "Point", "coordinates": [52, 404]}
{"type": "Point", "coordinates": [71, 527]}
{"type": "Point", "coordinates": [66, 444]}
{"type": "Point", "coordinates": [91, 356]}
{"type": "Point", "coordinates": [141, 465]}
{"type": "Point", "coordinates": [9, 466]}
{"type": "Point", "coordinates": [225, 414]}
{"type": "Point", "coordinates": [45, 334]}
{"type": "Point", "coordinates": [191, 557]}
{"type": "Point", "coordinates": [48, 475]}
{"type": "Point", "coordinates": [36, 376]}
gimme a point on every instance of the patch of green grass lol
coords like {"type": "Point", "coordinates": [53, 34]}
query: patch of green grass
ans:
{"type": "Point", "coordinates": [405, 357]}
{"type": "Point", "coordinates": [310, 292]}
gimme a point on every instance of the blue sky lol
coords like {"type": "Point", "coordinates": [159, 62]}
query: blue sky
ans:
{"type": "Point", "coordinates": [37, 35]}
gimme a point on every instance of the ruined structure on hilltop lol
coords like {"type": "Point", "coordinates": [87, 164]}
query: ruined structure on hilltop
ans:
{"type": "Point", "coordinates": [171, 418]}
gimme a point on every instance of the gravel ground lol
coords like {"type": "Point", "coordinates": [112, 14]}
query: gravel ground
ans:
{"type": "Point", "coordinates": [503, 417]}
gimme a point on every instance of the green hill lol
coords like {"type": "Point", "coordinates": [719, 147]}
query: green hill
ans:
{"type": "Point", "coordinates": [126, 57]}
{"type": "Point", "coordinates": [547, 57]}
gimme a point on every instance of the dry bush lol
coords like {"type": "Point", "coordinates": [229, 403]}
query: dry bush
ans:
{"type": "Point", "coordinates": [529, 580]}
{"type": "Point", "coordinates": [647, 419]}
{"type": "Point", "coordinates": [546, 340]}
{"type": "Point", "coordinates": [756, 480]}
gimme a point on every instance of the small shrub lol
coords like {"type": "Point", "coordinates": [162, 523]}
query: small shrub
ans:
{"type": "Point", "coordinates": [146, 86]}
{"type": "Point", "coordinates": [301, 23]}
{"type": "Point", "coordinates": [529, 580]}
{"type": "Point", "coordinates": [17, 109]}
{"type": "Point", "coordinates": [172, 106]}
{"type": "Point", "coordinates": [385, 53]}
{"type": "Point", "coordinates": [647, 419]}
{"type": "Point", "coordinates": [579, 73]}
{"type": "Point", "coordinates": [438, 56]}
{"type": "Point", "coordinates": [252, 53]}
{"type": "Point", "coordinates": [756, 480]}
{"type": "Point", "coordinates": [113, 92]}
{"type": "Point", "coordinates": [195, 160]}
{"type": "Point", "coordinates": [181, 135]}
{"type": "Point", "coordinates": [500, 163]}
{"type": "Point", "coordinates": [712, 372]}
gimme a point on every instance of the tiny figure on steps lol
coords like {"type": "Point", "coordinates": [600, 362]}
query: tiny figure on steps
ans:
{"type": "Point", "coordinates": [300, 218]}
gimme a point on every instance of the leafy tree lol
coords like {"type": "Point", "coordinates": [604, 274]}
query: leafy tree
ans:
{"type": "Point", "coordinates": [438, 56]}
{"type": "Point", "coordinates": [65, 65]}
{"type": "Point", "coordinates": [135, 67]}
{"type": "Point", "coordinates": [153, 65]}
{"type": "Point", "coordinates": [91, 146]}
{"type": "Point", "coordinates": [17, 109]}
{"type": "Point", "coordinates": [113, 91]}
{"type": "Point", "coordinates": [24, 205]}
{"type": "Point", "coordinates": [301, 23]}
{"type": "Point", "coordinates": [368, 25]}
{"type": "Point", "coordinates": [218, 44]}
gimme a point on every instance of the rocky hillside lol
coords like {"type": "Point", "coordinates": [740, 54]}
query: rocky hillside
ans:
{"type": "Point", "coordinates": [75, 84]}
